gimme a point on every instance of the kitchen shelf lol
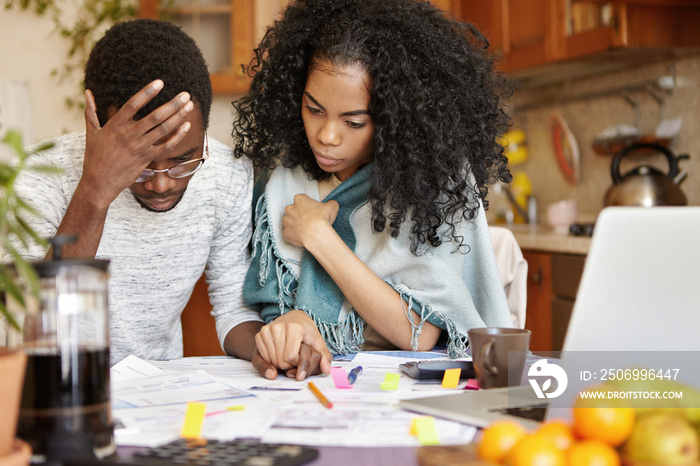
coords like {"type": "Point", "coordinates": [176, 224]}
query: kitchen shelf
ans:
{"type": "Point", "coordinates": [664, 84]}
{"type": "Point", "coordinates": [203, 10]}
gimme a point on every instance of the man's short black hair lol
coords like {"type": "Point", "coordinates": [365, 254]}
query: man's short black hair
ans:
{"type": "Point", "coordinates": [133, 53]}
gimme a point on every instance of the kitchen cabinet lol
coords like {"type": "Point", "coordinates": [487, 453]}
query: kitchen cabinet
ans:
{"type": "Point", "coordinates": [566, 276]}
{"type": "Point", "coordinates": [552, 284]}
{"type": "Point", "coordinates": [538, 317]}
{"type": "Point", "coordinates": [199, 336]}
{"type": "Point", "coordinates": [585, 35]}
{"type": "Point", "coordinates": [223, 29]}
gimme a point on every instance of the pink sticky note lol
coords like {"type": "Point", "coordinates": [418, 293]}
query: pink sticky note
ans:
{"type": "Point", "coordinates": [340, 377]}
{"type": "Point", "coordinates": [472, 384]}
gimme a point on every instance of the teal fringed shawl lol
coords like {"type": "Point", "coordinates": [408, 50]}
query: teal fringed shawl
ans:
{"type": "Point", "coordinates": [451, 289]}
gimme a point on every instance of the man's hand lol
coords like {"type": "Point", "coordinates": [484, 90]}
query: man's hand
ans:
{"type": "Point", "coordinates": [116, 154]}
{"type": "Point", "coordinates": [309, 363]}
{"type": "Point", "coordinates": [280, 343]}
{"type": "Point", "coordinates": [302, 218]}
{"type": "Point", "coordinates": [265, 369]}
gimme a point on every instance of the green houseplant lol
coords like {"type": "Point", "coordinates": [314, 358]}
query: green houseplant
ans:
{"type": "Point", "coordinates": [17, 277]}
{"type": "Point", "coordinates": [17, 281]}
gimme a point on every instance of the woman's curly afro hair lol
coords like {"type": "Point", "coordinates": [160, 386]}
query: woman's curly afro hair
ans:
{"type": "Point", "coordinates": [434, 101]}
{"type": "Point", "coordinates": [133, 53]}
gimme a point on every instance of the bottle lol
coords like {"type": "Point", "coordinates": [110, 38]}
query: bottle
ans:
{"type": "Point", "coordinates": [532, 210]}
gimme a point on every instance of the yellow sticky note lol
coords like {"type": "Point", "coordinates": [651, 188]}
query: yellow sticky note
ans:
{"type": "Point", "coordinates": [414, 430]}
{"type": "Point", "coordinates": [451, 378]}
{"type": "Point", "coordinates": [194, 418]}
{"type": "Point", "coordinates": [391, 381]}
{"type": "Point", "coordinates": [425, 430]}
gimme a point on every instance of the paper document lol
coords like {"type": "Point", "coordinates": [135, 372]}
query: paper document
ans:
{"type": "Point", "coordinates": [242, 404]}
{"type": "Point", "coordinates": [132, 368]}
{"type": "Point", "coordinates": [171, 388]}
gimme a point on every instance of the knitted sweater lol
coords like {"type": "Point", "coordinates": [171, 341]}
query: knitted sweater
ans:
{"type": "Point", "coordinates": [157, 257]}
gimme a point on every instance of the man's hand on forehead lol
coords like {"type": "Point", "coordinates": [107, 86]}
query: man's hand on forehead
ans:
{"type": "Point", "coordinates": [124, 146]}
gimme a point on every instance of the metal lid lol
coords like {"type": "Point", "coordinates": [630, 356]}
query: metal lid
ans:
{"type": "Point", "coordinates": [50, 267]}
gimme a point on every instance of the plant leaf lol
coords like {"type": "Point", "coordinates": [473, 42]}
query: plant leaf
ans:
{"type": "Point", "coordinates": [16, 230]}
{"type": "Point", "coordinates": [50, 169]}
{"type": "Point", "coordinates": [8, 315]}
{"type": "Point", "coordinates": [23, 206]}
{"type": "Point", "coordinates": [14, 139]}
{"type": "Point", "coordinates": [46, 145]}
{"type": "Point", "coordinates": [11, 288]}
{"type": "Point", "coordinates": [24, 270]}
{"type": "Point", "coordinates": [30, 231]}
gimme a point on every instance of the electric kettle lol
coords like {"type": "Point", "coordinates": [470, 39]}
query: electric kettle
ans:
{"type": "Point", "coordinates": [645, 185]}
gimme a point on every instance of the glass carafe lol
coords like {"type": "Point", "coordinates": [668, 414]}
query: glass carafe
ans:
{"type": "Point", "coordinates": [65, 409]}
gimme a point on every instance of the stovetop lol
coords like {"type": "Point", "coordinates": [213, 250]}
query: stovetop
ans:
{"type": "Point", "coordinates": [581, 229]}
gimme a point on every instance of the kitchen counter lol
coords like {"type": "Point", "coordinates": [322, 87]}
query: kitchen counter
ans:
{"type": "Point", "coordinates": [544, 238]}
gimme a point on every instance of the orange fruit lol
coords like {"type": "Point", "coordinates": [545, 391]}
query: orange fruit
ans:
{"type": "Point", "coordinates": [610, 421]}
{"type": "Point", "coordinates": [558, 432]}
{"type": "Point", "coordinates": [593, 453]}
{"type": "Point", "coordinates": [497, 439]}
{"type": "Point", "coordinates": [535, 450]}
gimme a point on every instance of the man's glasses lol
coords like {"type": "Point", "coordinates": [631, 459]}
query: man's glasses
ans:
{"type": "Point", "coordinates": [181, 170]}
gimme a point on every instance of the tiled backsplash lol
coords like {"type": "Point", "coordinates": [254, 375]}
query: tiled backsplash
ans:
{"type": "Point", "coordinates": [588, 117]}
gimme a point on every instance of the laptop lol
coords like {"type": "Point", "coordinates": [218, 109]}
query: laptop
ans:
{"type": "Point", "coordinates": [638, 305]}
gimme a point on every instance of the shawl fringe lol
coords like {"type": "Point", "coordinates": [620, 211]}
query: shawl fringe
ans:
{"type": "Point", "coordinates": [456, 342]}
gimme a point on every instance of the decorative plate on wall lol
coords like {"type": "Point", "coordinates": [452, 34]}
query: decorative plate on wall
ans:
{"type": "Point", "coordinates": [565, 150]}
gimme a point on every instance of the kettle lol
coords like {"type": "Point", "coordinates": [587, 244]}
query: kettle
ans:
{"type": "Point", "coordinates": [646, 186]}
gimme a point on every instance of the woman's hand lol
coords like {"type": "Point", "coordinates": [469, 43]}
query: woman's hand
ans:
{"type": "Point", "coordinates": [280, 343]}
{"type": "Point", "coordinates": [309, 364]}
{"type": "Point", "coordinates": [302, 219]}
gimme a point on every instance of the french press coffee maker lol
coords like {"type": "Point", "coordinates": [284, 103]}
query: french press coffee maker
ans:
{"type": "Point", "coordinates": [65, 408]}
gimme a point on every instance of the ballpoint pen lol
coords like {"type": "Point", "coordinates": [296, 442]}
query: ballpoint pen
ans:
{"type": "Point", "coordinates": [352, 376]}
{"type": "Point", "coordinates": [324, 401]}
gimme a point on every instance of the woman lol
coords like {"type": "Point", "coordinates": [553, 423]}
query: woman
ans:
{"type": "Point", "coordinates": [383, 116]}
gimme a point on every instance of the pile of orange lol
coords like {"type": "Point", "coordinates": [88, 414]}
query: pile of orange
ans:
{"type": "Point", "coordinates": [590, 439]}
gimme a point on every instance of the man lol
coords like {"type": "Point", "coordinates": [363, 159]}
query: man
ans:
{"type": "Point", "coordinates": [146, 188]}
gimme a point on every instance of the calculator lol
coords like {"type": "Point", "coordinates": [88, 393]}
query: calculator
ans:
{"type": "Point", "coordinates": [435, 369]}
{"type": "Point", "coordinates": [240, 452]}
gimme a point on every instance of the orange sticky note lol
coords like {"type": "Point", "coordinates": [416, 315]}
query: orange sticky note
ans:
{"type": "Point", "coordinates": [194, 418]}
{"type": "Point", "coordinates": [451, 378]}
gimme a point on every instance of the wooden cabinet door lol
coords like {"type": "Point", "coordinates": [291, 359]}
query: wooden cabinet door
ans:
{"type": "Point", "coordinates": [224, 31]}
{"type": "Point", "coordinates": [525, 32]}
{"type": "Point", "coordinates": [199, 336]}
{"type": "Point", "coordinates": [539, 300]}
{"type": "Point", "coordinates": [530, 33]}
